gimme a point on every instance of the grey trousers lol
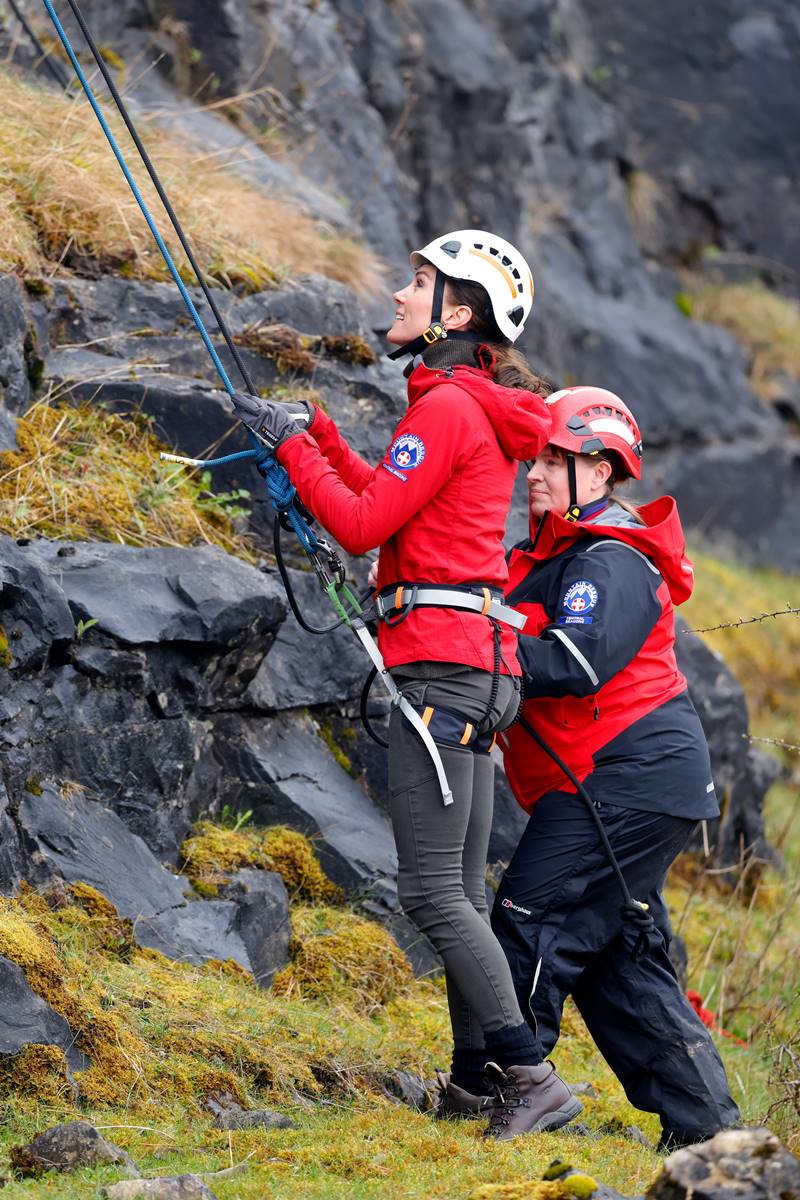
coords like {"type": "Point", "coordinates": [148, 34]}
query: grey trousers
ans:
{"type": "Point", "coordinates": [442, 850]}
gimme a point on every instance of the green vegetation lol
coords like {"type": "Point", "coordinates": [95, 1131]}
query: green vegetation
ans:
{"type": "Point", "coordinates": [84, 474]}
{"type": "Point", "coordinates": [767, 324]}
{"type": "Point", "coordinates": [214, 850]}
{"type": "Point", "coordinates": [64, 204]}
{"type": "Point", "coordinates": [764, 656]}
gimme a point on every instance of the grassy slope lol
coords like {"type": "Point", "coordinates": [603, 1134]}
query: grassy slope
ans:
{"type": "Point", "coordinates": [319, 1058]}
{"type": "Point", "coordinates": [63, 201]}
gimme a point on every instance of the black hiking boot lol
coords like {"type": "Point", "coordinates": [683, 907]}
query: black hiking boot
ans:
{"type": "Point", "coordinates": [528, 1100]}
{"type": "Point", "coordinates": [454, 1102]}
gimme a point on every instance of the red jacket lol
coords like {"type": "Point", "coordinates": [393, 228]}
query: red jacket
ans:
{"type": "Point", "coordinates": [436, 504]}
{"type": "Point", "coordinates": [598, 648]}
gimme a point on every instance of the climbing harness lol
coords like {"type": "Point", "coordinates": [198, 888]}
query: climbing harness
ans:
{"type": "Point", "coordinates": [395, 603]}
{"type": "Point", "coordinates": [326, 562]}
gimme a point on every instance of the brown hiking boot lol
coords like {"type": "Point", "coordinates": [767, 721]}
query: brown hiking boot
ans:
{"type": "Point", "coordinates": [528, 1100]}
{"type": "Point", "coordinates": [455, 1102]}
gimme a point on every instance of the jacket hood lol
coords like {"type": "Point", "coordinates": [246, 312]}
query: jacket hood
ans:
{"type": "Point", "coordinates": [661, 538]}
{"type": "Point", "coordinates": [520, 419]}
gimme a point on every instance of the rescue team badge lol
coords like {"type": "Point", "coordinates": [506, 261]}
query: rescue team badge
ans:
{"type": "Point", "coordinates": [581, 597]}
{"type": "Point", "coordinates": [407, 451]}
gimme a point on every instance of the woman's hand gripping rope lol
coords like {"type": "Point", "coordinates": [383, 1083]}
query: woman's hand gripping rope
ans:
{"type": "Point", "coordinates": [272, 423]}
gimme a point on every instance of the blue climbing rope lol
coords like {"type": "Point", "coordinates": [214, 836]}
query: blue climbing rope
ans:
{"type": "Point", "coordinates": [281, 492]}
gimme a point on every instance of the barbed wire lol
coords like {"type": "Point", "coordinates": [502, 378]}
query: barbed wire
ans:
{"type": "Point", "coordinates": [748, 737]}
{"type": "Point", "coordinates": [780, 612]}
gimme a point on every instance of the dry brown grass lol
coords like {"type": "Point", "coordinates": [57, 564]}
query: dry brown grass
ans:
{"type": "Point", "coordinates": [63, 200]}
{"type": "Point", "coordinates": [766, 323]}
{"type": "Point", "coordinates": [84, 474]}
{"type": "Point", "coordinates": [644, 196]}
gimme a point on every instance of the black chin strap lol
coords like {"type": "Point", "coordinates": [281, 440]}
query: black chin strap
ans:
{"type": "Point", "coordinates": [573, 512]}
{"type": "Point", "coordinates": [436, 331]}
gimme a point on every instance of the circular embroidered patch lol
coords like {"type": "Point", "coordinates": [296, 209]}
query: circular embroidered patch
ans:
{"type": "Point", "coordinates": [407, 451]}
{"type": "Point", "coordinates": [580, 597]}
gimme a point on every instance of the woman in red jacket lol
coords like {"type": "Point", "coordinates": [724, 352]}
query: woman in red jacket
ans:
{"type": "Point", "coordinates": [597, 583]}
{"type": "Point", "coordinates": [436, 506]}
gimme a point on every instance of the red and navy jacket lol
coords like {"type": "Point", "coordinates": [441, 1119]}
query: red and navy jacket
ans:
{"type": "Point", "coordinates": [436, 504]}
{"type": "Point", "coordinates": [601, 682]}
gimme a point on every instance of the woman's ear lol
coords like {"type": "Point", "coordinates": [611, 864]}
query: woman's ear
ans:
{"type": "Point", "coordinates": [601, 473]}
{"type": "Point", "coordinates": [457, 317]}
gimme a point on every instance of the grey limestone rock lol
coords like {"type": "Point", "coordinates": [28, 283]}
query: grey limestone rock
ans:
{"type": "Point", "coordinates": [196, 933]}
{"type": "Point", "coordinates": [285, 774]}
{"type": "Point", "coordinates": [8, 430]}
{"type": "Point", "coordinates": [167, 1187]}
{"type": "Point", "coordinates": [229, 1114]}
{"type": "Point", "coordinates": [34, 611]}
{"type": "Point", "coordinates": [79, 839]}
{"type": "Point", "coordinates": [289, 676]}
{"type": "Point", "coordinates": [154, 594]}
{"type": "Point", "coordinates": [26, 1019]}
{"type": "Point", "coordinates": [65, 1147]}
{"type": "Point", "coordinates": [737, 1164]}
{"type": "Point", "coordinates": [263, 921]}
{"type": "Point", "coordinates": [14, 384]}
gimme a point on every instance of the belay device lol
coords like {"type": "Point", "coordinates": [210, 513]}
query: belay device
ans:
{"type": "Point", "coordinates": [289, 512]}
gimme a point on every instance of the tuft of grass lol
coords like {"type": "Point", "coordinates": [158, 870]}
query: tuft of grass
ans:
{"type": "Point", "coordinates": [766, 323]}
{"type": "Point", "coordinates": [644, 196]}
{"type": "Point", "coordinates": [84, 474]}
{"type": "Point", "coordinates": [337, 956]}
{"type": "Point", "coordinates": [64, 202]}
{"type": "Point", "coordinates": [288, 349]}
{"type": "Point", "coordinates": [213, 851]}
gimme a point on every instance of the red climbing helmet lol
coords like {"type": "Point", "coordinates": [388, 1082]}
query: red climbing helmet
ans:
{"type": "Point", "coordinates": [589, 419]}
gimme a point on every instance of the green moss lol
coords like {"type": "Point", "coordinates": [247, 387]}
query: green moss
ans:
{"type": "Point", "coordinates": [338, 956]}
{"type": "Point", "coordinates": [33, 785]}
{"type": "Point", "coordinates": [325, 730]}
{"type": "Point", "coordinates": [35, 286]}
{"type": "Point", "coordinates": [580, 1186]}
{"type": "Point", "coordinates": [6, 657]}
{"type": "Point", "coordinates": [213, 852]}
{"type": "Point", "coordinates": [349, 348]}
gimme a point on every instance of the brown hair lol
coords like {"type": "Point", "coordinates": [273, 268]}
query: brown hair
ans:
{"type": "Point", "coordinates": [618, 478]}
{"type": "Point", "coordinates": [510, 368]}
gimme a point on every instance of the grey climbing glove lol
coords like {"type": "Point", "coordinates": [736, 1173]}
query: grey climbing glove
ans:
{"type": "Point", "coordinates": [273, 423]}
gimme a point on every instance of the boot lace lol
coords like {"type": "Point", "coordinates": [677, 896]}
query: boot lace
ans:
{"type": "Point", "coordinates": [507, 1100]}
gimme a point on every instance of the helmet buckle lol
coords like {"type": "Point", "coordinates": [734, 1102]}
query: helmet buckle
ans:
{"type": "Point", "coordinates": [434, 333]}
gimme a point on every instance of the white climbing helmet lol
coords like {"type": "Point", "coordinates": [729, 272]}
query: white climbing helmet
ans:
{"type": "Point", "coordinates": [482, 257]}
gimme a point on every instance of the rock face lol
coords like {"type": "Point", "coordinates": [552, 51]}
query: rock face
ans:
{"type": "Point", "coordinates": [739, 1164]}
{"type": "Point", "coordinates": [25, 1019]}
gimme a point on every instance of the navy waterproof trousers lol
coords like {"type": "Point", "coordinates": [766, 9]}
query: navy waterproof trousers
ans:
{"type": "Point", "coordinates": [557, 916]}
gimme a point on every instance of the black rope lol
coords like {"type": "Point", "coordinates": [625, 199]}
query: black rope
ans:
{"type": "Point", "coordinates": [221, 322]}
{"type": "Point", "coordinates": [632, 912]}
{"type": "Point", "coordinates": [53, 67]}
{"type": "Point", "coordinates": [287, 583]}
{"type": "Point", "coordinates": [170, 211]}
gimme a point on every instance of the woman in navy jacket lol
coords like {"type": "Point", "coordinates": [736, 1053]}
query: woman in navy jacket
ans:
{"type": "Point", "coordinates": [598, 581]}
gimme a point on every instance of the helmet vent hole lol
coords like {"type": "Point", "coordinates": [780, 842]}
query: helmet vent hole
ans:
{"type": "Point", "coordinates": [451, 248]}
{"type": "Point", "coordinates": [516, 314]}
